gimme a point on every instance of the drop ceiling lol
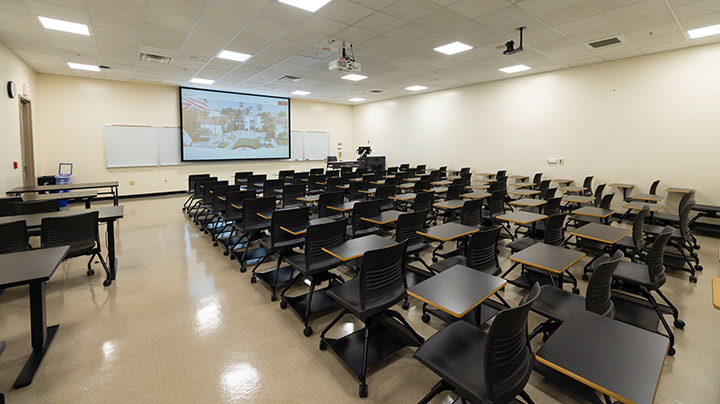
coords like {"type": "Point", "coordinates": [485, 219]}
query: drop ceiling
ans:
{"type": "Point", "coordinates": [393, 40]}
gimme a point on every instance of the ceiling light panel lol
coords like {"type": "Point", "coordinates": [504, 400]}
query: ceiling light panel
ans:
{"type": "Point", "coordinates": [236, 56]}
{"type": "Point", "coordinates": [416, 88]}
{"type": "Point", "coordinates": [65, 26]}
{"type": "Point", "coordinates": [80, 66]}
{"type": "Point", "coordinates": [300, 92]}
{"type": "Point", "coordinates": [514, 69]}
{"type": "Point", "coordinates": [202, 81]}
{"type": "Point", "coordinates": [703, 32]}
{"type": "Point", "coordinates": [354, 77]}
{"type": "Point", "coordinates": [453, 48]}
{"type": "Point", "coordinates": [309, 5]}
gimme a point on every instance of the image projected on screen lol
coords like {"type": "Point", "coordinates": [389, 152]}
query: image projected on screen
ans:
{"type": "Point", "coordinates": [220, 125]}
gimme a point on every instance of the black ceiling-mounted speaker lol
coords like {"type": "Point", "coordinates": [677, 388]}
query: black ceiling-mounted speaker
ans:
{"type": "Point", "coordinates": [510, 45]}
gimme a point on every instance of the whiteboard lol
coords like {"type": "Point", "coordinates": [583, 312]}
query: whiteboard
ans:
{"type": "Point", "coordinates": [309, 145]}
{"type": "Point", "coordinates": [141, 146]}
{"type": "Point", "coordinates": [130, 146]}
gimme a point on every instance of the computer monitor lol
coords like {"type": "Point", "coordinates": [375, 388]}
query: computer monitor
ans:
{"type": "Point", "coordinates": [331, 158]}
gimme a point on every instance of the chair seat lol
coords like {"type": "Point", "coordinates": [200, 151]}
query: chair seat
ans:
{"type": "Point", "coordinates": [362, 232]}
{"type": "Point", "coordinates": [79, 249]}
{"type": "Point", "coordinates": [457, 354]}
{"type": "Point", "coordinates": [521, 244]}
{"type": "Point", "coordinates": [348, 295]}
{"type": "Point", "coordinates": [282, 245]}
{"type": "Point", "coordinates": [631, 272]}
{"type": "Point", "coordinates": [584, 219]}
{"type": "Point", "coordinates": [416, 247]}
{"type": "Point", "coordinates": [448, 262]}
{"type": "Point", "coordinates": [656, 230]}
{"type": "Point", "coordinates": [319, 265]}
{"type": "Point", "coordinates": [557, 304]}
{"type": "Point", "coordinates": [252, 228]}
{"type": "Point", "coordinates": [666, 217]}
{"type": "Point", "coordinates": [626, 242]}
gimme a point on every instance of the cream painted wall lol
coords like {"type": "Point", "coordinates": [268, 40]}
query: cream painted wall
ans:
{"type": "Point", "coordinates": [12, 69]}
{"type": "Point", "coordinates": [633, 120]}
{"type": "Point", "coordinates": [71, 114]}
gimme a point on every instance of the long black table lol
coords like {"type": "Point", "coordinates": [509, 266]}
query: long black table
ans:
{"type": "Point", "coordinates": [33, 268]}
{"type": "Point", "coordinates": [106, 215]}
{"type": "Point", "coordinates": [84, 195]}
{"type": "Point", "coordinates": [113, 185]}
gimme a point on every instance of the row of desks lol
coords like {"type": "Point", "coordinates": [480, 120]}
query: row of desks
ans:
{"type": "Point", "coordinates": [111, 185]}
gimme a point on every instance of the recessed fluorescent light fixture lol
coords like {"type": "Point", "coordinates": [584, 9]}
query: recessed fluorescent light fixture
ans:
{"type": "Point", "coordinates": [453, 48]}
{"type": "Point", "coordinates": [514, 69]}
{"type": "Point", "coordinates": [300, 92]}
{"type": "Point", "coordinates": [65, 26]}
{"type": "Point", "coordinates": [416, 88]}
{"type": "Point", "coordinates": [202, 81]}
{"type": "Point", "coordinates": [309, 5]}
{"type": "Point", "coordinates": [80, 66]}
{"type": "Point", "coordinates": [354, 77]}
{"type": "Point", "coordinates": [236, 56]}
{"type": "Point", "coordinates": [356, 99]}
{"type": "Point", "coordinates": [705, 31]}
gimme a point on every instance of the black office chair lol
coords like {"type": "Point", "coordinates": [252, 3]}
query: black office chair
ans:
{"type": "Point", "coordinates": [380, 284]}
{"type": "Point", "coordinates": [557, 305]}
{"type": "Point", "coordinates": [314, 264]}
{"type": "Point", "coordinates": [30, 208]}
{"type": "Point", "coordinates": [495, 209]}
{"type": "Point", "coordinates": [252, 226]}
{"type": "Point", "coordinates": [332, 173]}
{"type": "Point", "coordinates": [479, 366]}
{"type": "Point", "coordinates": [673, 219]}
{"type": "Point", "coordinates": [407, 227]}
{"type": "Point", "coordinates": [421, 186]}
{"type": "Point", "coordinates": [645, 279]}
{"type": "Point", "coordinates": [424, 201]}
{"type": "Point", "coordinates": [191, 190]}
{"type": "Point", "coordinates": [443, 173]}
{"type": "Point", "coordinates": [214, 222]}
{"type": "Point", "coordinates": [291, 193]}
{"type": "Point", "coordinates": [301, 178]}
{"type": "Point", "coordinates": [316, 171]}
{"type": "Point", "coordinates": [359, 227]}
{"type": "Point", "coordinates": [333, 183]}
{"type": "Point", "coordinates": [633, 245]}
{"type": "Point", "coordinates": [286, 175]}
{"type": "Point", "coordinates": [420, 169]}
{"type": "Point", "coordinates": [537, 178]}
{"type": "Point", "coordinates": [681, 242]}
{"type": "Point", "coordinates": [542, 185]}
{"type": "Point", "coordinates": [330, 199]}
{"type": "Point", "coordinates": [471, 213]}
{"type": "Point", "coordinates": [480, 254]}
{"type": "Point", "coordinates": [232, 215]}
{"type": "Point", "coordinates": [270, 186]}
{"type": "Point", "coordinates": [575, 220]}
{"type": "Point", "coordinates": [435, 175]}
{"type": "Point", "coordinates": [354, 193]}
{"type": "Point", "coordinates": [241, 178]}
{"type": "Point", "coordinates": [587, 184]}
{"type": "Point", "coordinates": [13, 237]}
{"type": "Point", "coordinates": [6, 205]}
{"type": "Point", "coordinates": [280, 242]}
{"type": "Point", "coordinates": [202, 208]}
{"type": "Point", "coordinates": [198, 195]}
{"type": "Point", "coordinates": [255, 182]}
{"type": "Point", "coordinates": [383, 193]}
{"type": "Point", "coordinates": [80, 233]}
{"type": "Point", "coordinates": [552, 234]}
{"type": "Point", "coordinates": [315, 185]}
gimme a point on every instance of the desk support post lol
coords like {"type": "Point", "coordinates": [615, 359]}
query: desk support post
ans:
{"type": "Point", "coordinates": [41, 335]}
{"type": "Point", "coordinates": [111, 253]}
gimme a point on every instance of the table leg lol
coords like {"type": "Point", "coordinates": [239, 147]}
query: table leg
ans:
{"type": "Point", "coordinates": [87, 203]}
{"type": "Point", "coordinates": [115, 193]}
{"type": "Point", "coordinates": [111, 253]}
{"type": "Point", "coordinates": [41, 334]}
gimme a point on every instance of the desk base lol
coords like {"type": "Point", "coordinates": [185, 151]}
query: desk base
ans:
{"type": "Point", "coordinates": [253, 255]}
{"type": "Point", "coordinates": [568, 383]}
{"type": "Point", "coordinates": [33, 362]}
{"type": "Point", "coordinates": [415, 275]}
{"type": "Point", "coordinates": [488, 309]}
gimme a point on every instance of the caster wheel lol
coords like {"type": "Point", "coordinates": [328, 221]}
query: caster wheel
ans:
{"type": "Point", "coordinates": [243, 270]}
{"type": "Point", "coordinates": [323, 345]}
{"type": "Point", "coordinates": [585, 277]}
{"type": "Point", "coordinates": [205, 231]}
{"type": "Point", "coordinates": [226, 253]}
{"type": "Point", "coordinates": [697, 247]}
{"type": "Point", "coordinates": [699, 268]}
{"type": "Point", "coordinates": [273, 298]}
{"type": "Point", "coordinates": [107, 282]}
{"type": "Point", "coordinates": [693, 279]}
{"type": "Point", "coordinates": [307, 331]}
{"type": "Point", "coordinates": [405, 305]}
{"type": "Point", "coordinates": [253, 279]}
{"type": "Point", "coordinates": [425, 318]}
{"type": "Point", "coordinates": [671, 351]}
{"type": "Point", "coordinates": [363, 391]}
{"type": "Point", "coordinates": [576, 291]}
{"type": "Point", "coordinates": [232, 257]}
{"type": "Point", "coordinates": [545, 337]}
{"type": "Point", "coordinates": [215, 244]}
{"type": "Point", "coordinates": [679, 324]}
{"type": "Point", "coordinates": [90, 272]}
{"type": "Point", "coordinates": [434, 259]}
{"type": "Point", "coordinates": [283, 304]}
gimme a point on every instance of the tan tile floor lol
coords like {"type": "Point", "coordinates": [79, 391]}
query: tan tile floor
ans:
{"type": "Point", "coordinates": [182, 325]}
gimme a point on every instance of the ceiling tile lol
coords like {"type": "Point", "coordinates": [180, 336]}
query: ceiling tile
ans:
{"type": "Point", "coordinates": [321, 25]}
{"type": "Point", "coordinates": [221, 16]}
{"type": "Point", "coordinates": [409, 10]}
{"type": "Point", "coordinates": [573, 12]}
{"type": "Point", "coordinates": [214, 30]}
{"type": "Point", "coordinates": [184, 8]}
{"type": "Point", "coordinates": [474, 8]}
{"type": "Point", "coordinates": [248, 7]}
{"type": "Point", "coordinates": [264, 27]}
{"type": "Point", "coordinates": [284, 14]}
{"type": "Point", "coordinates": [345, 11]}
{"type": "Point", "coordinates": [379, 22]}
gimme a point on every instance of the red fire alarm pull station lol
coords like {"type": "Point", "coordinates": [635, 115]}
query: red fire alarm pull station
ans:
{"type": "Point", "coordinates": [15, 165]}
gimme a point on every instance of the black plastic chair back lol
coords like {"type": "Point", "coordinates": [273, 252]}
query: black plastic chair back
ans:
{"type": "Point", "coordinates": [327, 199]}
{"type": "Point", "coordinates": [407, 226]}
{"type": "Point", "coordinates": [587, 183]}
{"type": "Point", "coordinates": [435, 175]}
{"type": "Point", "coordinates": [598, 194]}
{"type": "Point", "coordinates": [544, 184]}
{"type": "Point", "coordinates": [269, 187]}
{"type": "Point", "coordinates": [684, 221]}
{"type": "Point", "coordinates": [80, 232]}
{"type": "Point", "coordinates": [481, 252]}
{"type": "Point", "coordinates": [364, 209]}
{"type": "Point", "coordinates": [369, 177]}
{"type": "Point", "coordinates": [332, 173]}
{"type": "Point", "coordinates": [496, 203]}
{"type": "Point", "coordinates": [242, 175]}
{"type": "Point", "coordinates": [345, 170]}
{"type": "Point", "coordinates": [638, 236]}
{"type": "Point", "coordinates": [464, 171]}
{"type": "Point", "coordinates": [424, 201]}
{"type": "Point", "coordinates": [322, 235]}
{"type": "Point", "coordinates": [291, 193]}
{"type": "Point", "coordinates": [192, 179]}
{"type": "Point", "coordinates": [392, 181]}
{"type": "Point", "coordinates": [384, 192]}
{"type": "Point", "coordinates": [252, 206]}
{"type": "Point", "coordinates": [683, 201]}
{"type": "Point", "coordinates": [361, 171]}
{"type": "Point", "coordinates": [606, 201]}
{"type": "Point", "coordinates": [29, 208]}
{"type": "Point", "coordinates": [354, 193]}
{"type": "Point", "coordinates": [420, 168]}
{"type": "Point", "coordinates": [286, 217]}
{"type": "Point", "coordinates": [554, 230]}
{"type": "Point", "coordinates": [209, 191]}
{"type": "Point", "coordinates": [404, 167]}
{"type": "Point", "coordinates": [421, 186]}
{"type": "Point", "coordinates": [454, 191]}
{"type": "Point", "coordinates": [382, 275]}
{"type": "Point", "coordinates": [598, 295]}
{"type": "Point", "coordinates": [221, 191]}
{"type": "Point", "coordinates": [548, 193]}
{"type": "Point", "coordinates": [200, 185]}
{"type": "Point", "coordinates": [471, 213]}
{"type": "Point", "coordinates": [552, 207]}
{"type": "Point", "coordinates": [653, 187]}
{"type": "Point", "coordinates": [537, 178]}
{"type": "Point", "coordinates": [392, 170]}
{"type": "Point", "coordinates": [655, 258]}
{"type": "Point", "coordinates": [236, 198]}
{"type": "Point", "coordinates": [410, 173]}
{"type": "Point", "coordinates": [313, 183]}
{"type": "Point", "coordinates": [316, 171]}
{"type": "Point", "coordinates": [466, 179]}
{"type": "Point", "coordinates": [301, 178]}
{"type": "Point", "coordinates": [6, 205]}
{"type": "Point", "coordinates": [285, 175]}
{"type": "Point", "coordinates": [332, 184]}
{"type": "Point", "coordinates": [508, 356]}
{"type": "Point", "coordinates": [13, 237]}
{"type": "Point", "coordinates": [495, 186]}
{"type": "Point", "coordinates": [254, 180]}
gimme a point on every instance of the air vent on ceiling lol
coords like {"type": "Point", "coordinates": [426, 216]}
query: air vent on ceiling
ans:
{"type": "Point", "coordinates": [290, 79]}
{"type": "Point", "coordinates": [376, 91]}
{"type": "Point", "coordinates": [149, 57]}
{"type": "Point", "coordinates": [605, 42]}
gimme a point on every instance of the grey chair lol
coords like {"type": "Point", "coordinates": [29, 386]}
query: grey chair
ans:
{"type": "Point", "coordinates": [13, 237]}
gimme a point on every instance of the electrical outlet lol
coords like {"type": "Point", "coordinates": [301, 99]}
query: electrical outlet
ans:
{"type": "Point", "coordinates": [561, 161]}
{"type": "Point", "coordinates": [132, 183]}
{"type": "Point", "coordinates": [552, 160]}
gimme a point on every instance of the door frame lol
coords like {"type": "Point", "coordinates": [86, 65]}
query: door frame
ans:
{"type": "Point", "coordinates": [27, 143]}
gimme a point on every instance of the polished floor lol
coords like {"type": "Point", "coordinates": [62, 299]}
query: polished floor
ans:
{"type": "Point", "coordinates": [182, 325]}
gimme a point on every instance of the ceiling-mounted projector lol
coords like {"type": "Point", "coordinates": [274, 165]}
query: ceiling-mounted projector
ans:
{"type": "Point", "coordinates": [510, 45]}
{"type": "Point", "coordinates": [346, 62]}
